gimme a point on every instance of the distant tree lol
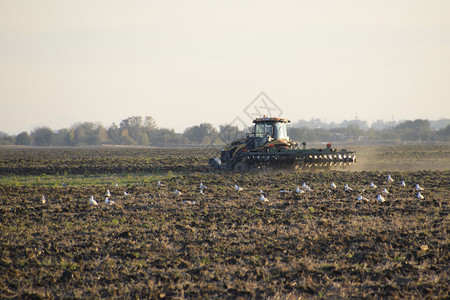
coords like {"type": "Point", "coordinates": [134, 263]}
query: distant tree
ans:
{"type": "Point", "coordinates": [198, 133]}
{"type": "Point", "coordinates": [149, 122]}
{"type": "Point", "coordinates": [417, 130]}
{"type": "Point", "coordinates": [23, 138]}
{"type": "Point", "coordinates": [138, 128]}
{"type": "Point", "coordinates": [355, 131]}
{"type": "Point", "coordinates": [125, 138]}
{"type": "Point", "coordinates": [163, 137]}
{"type": "Point", "coordinates": [42, 136]}
{"type": "Point", "coordinates": [444, 134]}
{"type": "Point", "coordinates": [83, 133]}
{"type": "Point", "coordinates": [142, 138]}
{"type": "Point", "coordinates": [61, 137]}
{"type": "Point", "coordinates": [102, 135]}
{"type": "Point", "coordinates": [114, 133]}
{"type": "Point", "coordinates": [131, 122]}
{"type": "Point", "coordinates": [6, 139]}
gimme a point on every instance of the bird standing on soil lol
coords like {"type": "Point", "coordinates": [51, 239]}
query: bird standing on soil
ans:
{"type": "Point", "coordinates": [418, 187]}
{"type": "Point", "coordinates": [108, 193]}
{"type": "Point", "coordinates": [177, 193]}
{"type": "Point", "coordinates": [361, 198]}
{"type": "Point", "coordinates": [202, 187]}
{"type": "Point", "coordinates": [92, 201]}
{"type": "Point", "coordinates": [43, 200]}
{"type": "Point", "coordinates": [109, 202]}
{"type": "Point", "coordinates": [385, 191]}
{"type": "Point", "coordinates": [419, 196]}
{"type": "Point", "coordinates": [299, 190]}
{"type": "Point", "coordinates": [237, 188]}
{"type": "Point", "coordinates": [125, 193]}
{"type": "Point", "coordinates": [403, 184]}
{"type": "Point", "coordinates": [372, 185]}
{"type": "Point", "coordinates": [305, 186]}
{"type": "Point", "coordinates": [380, 198]}
{"type": "Point", "coordinates": [160, 184]}
{"type": "Point", "coordinates": [333, 185]}
{"type": "Point", "coordinates": [188, 202]}
{"type": "Point", "coordinates": [389, 178]}
{"type": "Point", "coordinates": [347, 188]}
{"type": "Point", "coordinates": [263, 198]}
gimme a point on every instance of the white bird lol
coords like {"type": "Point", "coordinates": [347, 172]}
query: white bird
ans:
{"type": "Point", "coordinates": [347, 188]}
{"type": "Point", "coordinates": [299, 191]}
{"type": "Point", "coordinates": [419, 196]}
{"type": "Point", "coordinates": [238, 188]}
{"type": "Point", "coordinates": [202, 187]}
{"type": "Point", "coordinates": [43, 200]}
{"type": "Point", "coordinates": [201, 192]}
{"type": "Point", "coordinates": [372, 185]}
{"type": "Point", "coordinates": [177, 192]}
{"type": "Point", "coordinates": [389, 178]}
{"type": "Point", "coordinates": [92, 201]}
{"type": "Point", "coordinates": [333, 185]}
{"type": "Point", "coordinates": [117, 184]}
{"type": "Point", "coordinates": [403, 184]}
{"type": "Point", "coordinates": [109, 202]}
{"type": "Point", "coordinates": [108, 193]}
{"type": "Point", "coordinates": [188, 202]}
{"type": "Point", "coordinates": [308, 189]}
{"type": "Point", "coordinates": [380, 198]}
{"type": "Point", "coordinates": [284, 191]}
{"type": "Point", "coordinates": [125, 193]}
{"type": "Point", "coordinates": [361, 198]}
{"type": "Point", "coordinates": [261, 191]}
{"type": "Point", "coordinates": [418, 187]}
{"type": "Point", "coordinates": [160, 184]}
{"type": "Point", "coordinates": [385, 191]}
{"type": "Point", "coordinates": [263, 199]}
{"type": "Point", "coordinates": [305, 186]}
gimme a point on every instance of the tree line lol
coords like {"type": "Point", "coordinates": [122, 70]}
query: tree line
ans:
{"type": "Point", "coordinates": [143, 131]}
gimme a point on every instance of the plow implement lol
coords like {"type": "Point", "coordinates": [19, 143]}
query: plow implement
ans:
{"type": "Point", "coordinates": [310, 159]}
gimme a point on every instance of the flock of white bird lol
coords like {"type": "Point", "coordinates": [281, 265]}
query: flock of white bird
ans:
{"type": "Point", "coordinates": [384, 191]}
{"type": "Point", "coordinates": [305, 188]}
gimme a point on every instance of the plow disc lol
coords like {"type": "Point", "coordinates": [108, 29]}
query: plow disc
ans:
{"type": "Point", "coordinates": [296, 159]}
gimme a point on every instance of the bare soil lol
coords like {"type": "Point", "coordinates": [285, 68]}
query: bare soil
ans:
{"type": "Point", "coordinates": [222, 243]}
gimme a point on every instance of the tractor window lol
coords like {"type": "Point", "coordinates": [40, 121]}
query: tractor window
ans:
{"type": "Point", "coordinates": [261, 130]}
{"type": "Point", "coordinates": [280, 131]}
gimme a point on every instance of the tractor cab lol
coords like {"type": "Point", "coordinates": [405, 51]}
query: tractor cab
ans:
{"type": "Point", "coordinates": [267, 130]}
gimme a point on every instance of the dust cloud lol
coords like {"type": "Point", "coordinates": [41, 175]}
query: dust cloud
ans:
{"type": "Point", "coordinates": [401, 158]}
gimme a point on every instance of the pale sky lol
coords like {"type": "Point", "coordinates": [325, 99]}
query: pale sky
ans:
{"type": "Point", "coordinates": [188, 62]}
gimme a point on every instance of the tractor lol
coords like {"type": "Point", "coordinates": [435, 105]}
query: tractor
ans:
{"type": "Point", "coordinates": [268, 147]}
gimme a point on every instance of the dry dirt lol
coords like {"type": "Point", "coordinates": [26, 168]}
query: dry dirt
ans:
{"type": "Point", "coordinates": [222, 243]}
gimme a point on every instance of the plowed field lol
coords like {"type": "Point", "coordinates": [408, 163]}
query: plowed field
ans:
{"type": "Point", "coordinates": [223, 243]}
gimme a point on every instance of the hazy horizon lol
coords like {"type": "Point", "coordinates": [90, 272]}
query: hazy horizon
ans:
{"type": "Point", "coordinates": [184, 63]}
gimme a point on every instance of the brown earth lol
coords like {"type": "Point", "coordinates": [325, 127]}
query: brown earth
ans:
{"type": "Point", "coordinates": [223, 243]}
